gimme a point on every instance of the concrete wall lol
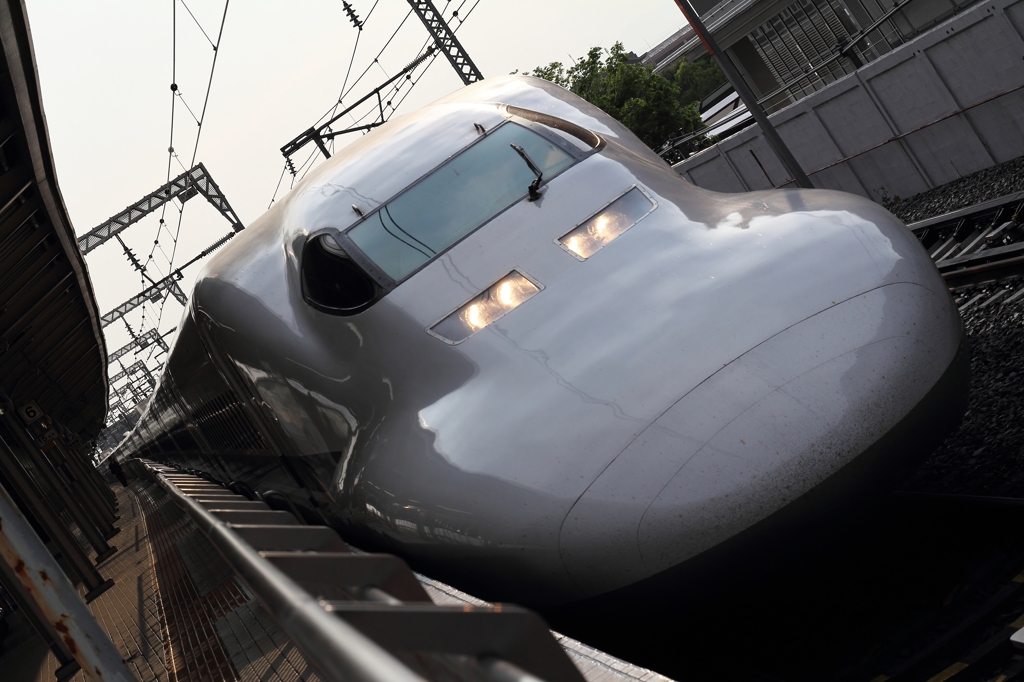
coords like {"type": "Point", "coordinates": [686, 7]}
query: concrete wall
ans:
{"type": "Point", "coordinates": [965, 60]}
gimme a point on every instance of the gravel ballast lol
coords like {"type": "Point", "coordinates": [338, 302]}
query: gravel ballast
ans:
{"type": "Point", "coordinates": [990, 183]}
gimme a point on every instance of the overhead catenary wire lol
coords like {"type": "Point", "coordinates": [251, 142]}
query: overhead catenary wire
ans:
{"type": "Point", "coordinates": [413, 81]}
{"type": "Point", "coordinates": [351, 60]}
{"type": "Point", "coordinates": [395, 88]}
{"type": "Point", "coordinates": [205, 34]}
{"type": "Point", "coordinates": [195, 148]}
{"type": "Point", "coordinates": [176, 92]}
{"type": "Point", "coordinates": [345, 93]}
{"type": "Point", "coordinates": [348, 72]}
{"type": "Point", "coordinates": [341, 96]}
{"type": "Point", "coordinates": [209, 84]}
{"type": "Point", "coordinates": [436, 54]}
{"type": "Point", "coordinates": [391, 99]}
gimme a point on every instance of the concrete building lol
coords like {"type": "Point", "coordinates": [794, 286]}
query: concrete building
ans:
{"type": "Point", "coordinates": [942, 105]}
{"type": "Point", "coordinates": [787, 50]}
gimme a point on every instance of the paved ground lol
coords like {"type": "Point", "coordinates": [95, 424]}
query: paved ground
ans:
{"type": "Point", "coordinates": [175, 612]}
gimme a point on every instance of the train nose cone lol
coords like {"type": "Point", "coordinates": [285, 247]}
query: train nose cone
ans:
{"type": "Point", "coordinates": [821, 408]}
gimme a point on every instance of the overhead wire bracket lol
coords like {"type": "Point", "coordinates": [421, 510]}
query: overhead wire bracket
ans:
{"type": "Point", "coordinates": [320, 134]}
{"type": "Point", "coordinates": [445, 41]}
{"type": "Point", "coordinates": [184, 187]}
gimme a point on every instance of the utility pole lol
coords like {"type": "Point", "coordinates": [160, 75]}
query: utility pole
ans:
{"type": "Point", "coordinates": [729, 69]}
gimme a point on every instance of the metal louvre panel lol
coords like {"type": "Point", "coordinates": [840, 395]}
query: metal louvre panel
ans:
{"type": "Point", "coordinates": [830, 32]}
{"type": "Point", "coordinates": [770, 56]}
{"type": "Point", "coordinates": [801, 37]}
{"type": "Point", "coordinates": [778, 56]}
{"type": "Point", "coordinates": [883, 39]}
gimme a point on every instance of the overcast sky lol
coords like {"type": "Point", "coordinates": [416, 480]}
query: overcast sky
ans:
{"type": "Point", "coordinates": [105, 69]}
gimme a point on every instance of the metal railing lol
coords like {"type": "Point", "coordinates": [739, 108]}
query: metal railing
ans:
{"type": "Point", "coordinates": [66, 622]}
{"type": "Point", "coordinates": [354, 615]}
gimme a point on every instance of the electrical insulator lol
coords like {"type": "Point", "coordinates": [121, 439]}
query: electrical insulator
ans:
{"type": "Point", "coordinates": [352, 15]}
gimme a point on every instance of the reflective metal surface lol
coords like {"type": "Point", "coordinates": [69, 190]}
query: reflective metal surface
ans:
{"type": "Point", "coordinates": [692, 378]}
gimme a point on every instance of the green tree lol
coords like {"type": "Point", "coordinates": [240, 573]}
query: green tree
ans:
{"type": "Point", "coordinates": [643, 101]}
{"type": "Point", "coordinates": [696, 80]}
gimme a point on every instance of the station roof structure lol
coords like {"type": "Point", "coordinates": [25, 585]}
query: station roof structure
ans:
{"type": "Point", "coordinates": [52, 350]}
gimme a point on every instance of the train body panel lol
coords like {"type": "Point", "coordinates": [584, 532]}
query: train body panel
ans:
{"type": "Point", "coordinates": [719, 359]}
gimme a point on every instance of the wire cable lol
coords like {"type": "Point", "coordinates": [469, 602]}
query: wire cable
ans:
{"type": "Point", "coordinates": [198, 24]}
{"type": "Point", "coordinates": [370, 66]}
{"type": "Point", "coordinates": [390, 106]}
{"type": "Point", "coordinates": [209, 84]}
{"type": "Point", "coordinates": [284, 168]}
{"type": "Point", "coordinates": [182, 98]}
{"type": "Point", "coordinates": [195, 148]}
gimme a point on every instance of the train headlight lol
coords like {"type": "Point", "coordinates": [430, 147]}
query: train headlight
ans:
{"type": "Point", "coordinates": [502, 297]}
{"type": "Point", "coordinates": [611, 221]}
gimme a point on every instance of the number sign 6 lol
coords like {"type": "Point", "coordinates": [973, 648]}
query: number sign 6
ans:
{"type": "Point", "coordinates": [30, 412]}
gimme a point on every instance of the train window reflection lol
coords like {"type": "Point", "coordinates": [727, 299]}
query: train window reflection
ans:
{"type": "Point", "coordinates": [455, 199]}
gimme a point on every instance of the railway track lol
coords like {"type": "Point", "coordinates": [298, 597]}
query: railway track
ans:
{"type": "Point", "coordinates": [979, 244]}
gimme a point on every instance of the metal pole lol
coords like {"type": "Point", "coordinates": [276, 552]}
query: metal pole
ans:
{"type": "Point", "coordinates": [51, 479]}
{"type": "Point", "coordinates": [86, 481]}
{"type": "Point", "coordinates": [88, 497]}
{"type": "Point", "coordinates": [729, 69]}
{"type": "Point", "coordinates": [84, 462]}
{"type": "Point", "coordinates": [26, 558]}
{"type": "Point", "coordinates": [52, 525]}
{"type": "Point", "coordinates": [63, 477]}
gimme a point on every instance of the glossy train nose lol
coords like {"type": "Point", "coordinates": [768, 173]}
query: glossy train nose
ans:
{"type": "Point", "coordinates": [763, 431]}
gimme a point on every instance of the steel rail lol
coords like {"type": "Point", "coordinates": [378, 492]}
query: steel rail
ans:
{"type": "Point", "coordinates": [985, 273]}
{"type": "Point", "coordinates": [336, 649]}
{"type": "Point", "coordinates": [966, 212]}
{"type": "Point", "coordinates": [970, 249]}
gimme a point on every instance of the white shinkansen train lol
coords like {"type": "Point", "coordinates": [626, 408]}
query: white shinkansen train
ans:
{"type": "Point", "coordinates": [501, 338]}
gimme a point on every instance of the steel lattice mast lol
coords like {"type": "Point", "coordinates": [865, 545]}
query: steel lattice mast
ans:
{"type": "Point", "coordinates": [182, 188]}
{"type": "Point", "coordinates": [141, 341]}
{"type": "Point", "coordinates": [446, 41]}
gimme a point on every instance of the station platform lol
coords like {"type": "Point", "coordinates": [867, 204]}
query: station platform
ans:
{"type": "Point", "coordinates": [178, 613]}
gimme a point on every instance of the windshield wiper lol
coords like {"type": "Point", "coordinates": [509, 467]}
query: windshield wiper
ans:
{"type": "Point", "coordinates": [533, 188]}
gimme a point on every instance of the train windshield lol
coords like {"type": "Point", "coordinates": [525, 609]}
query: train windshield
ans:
{"type": "Point", "coordinates": [457, 198]}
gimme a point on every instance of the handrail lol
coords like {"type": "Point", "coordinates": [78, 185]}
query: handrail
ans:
{"type": "Point", "coordinates": [44, 583]}
{"type": "Point", "coordinates": [336, 649]}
